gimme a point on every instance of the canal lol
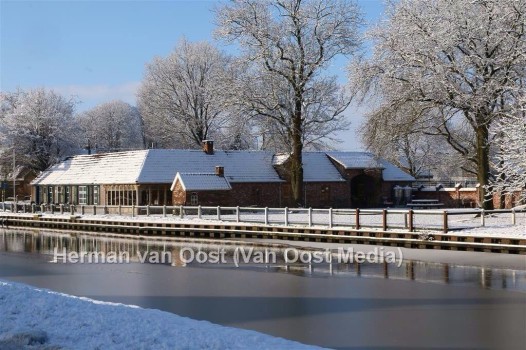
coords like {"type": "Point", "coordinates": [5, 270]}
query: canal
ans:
{"type": "Point", "coordinates": [429, 299]}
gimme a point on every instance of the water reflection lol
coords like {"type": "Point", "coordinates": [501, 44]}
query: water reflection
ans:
{"type": "Point", "coordinates": [176, 252]}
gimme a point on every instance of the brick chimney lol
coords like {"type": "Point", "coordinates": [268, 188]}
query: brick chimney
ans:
{"type": "Point", "coordinates": [208, 146]}
{"type": "Point", "coordinates": [220, 171]}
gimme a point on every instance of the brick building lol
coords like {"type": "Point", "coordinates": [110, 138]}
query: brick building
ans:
{"type": "Point", "coordinates": [216, 177]}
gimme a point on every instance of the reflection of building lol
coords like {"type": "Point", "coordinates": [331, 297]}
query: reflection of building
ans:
{"type": "Point", "coordinates": [210, 177]}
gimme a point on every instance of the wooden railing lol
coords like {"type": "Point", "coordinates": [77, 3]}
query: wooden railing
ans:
{"type": "Point", "coordinates": [381, 219]}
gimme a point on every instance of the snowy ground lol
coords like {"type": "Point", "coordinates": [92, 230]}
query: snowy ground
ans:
{"type": "Point", "coordinates": [33, 318]}
{"type": "Point", "coordinates": [499, 224]}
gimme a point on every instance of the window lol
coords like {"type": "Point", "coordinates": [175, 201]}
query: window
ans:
{"type": "Point", "coordinates": [83, 194]}
{"type": "Point", "coordinates": [66, 195]}
{"type": "Point", "coordinates": [59, 194]}
{"type": "Point", "coordinates": [96, 195]}
{"type": "Point", "coordinates": [50, 194]}
{"type": "Point", "coordinates": [194, 199]}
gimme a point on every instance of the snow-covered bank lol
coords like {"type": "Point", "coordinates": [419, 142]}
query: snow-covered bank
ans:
{"type": "Point", "coordinates": [38, 318]}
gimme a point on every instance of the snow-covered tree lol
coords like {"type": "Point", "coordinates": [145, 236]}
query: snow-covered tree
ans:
{"type": "Point", "coordinates": [112, 126]}
{"type": "Point", "coordinates": [510, 158]}
{"type": "Point", "coordinates": [183, 97]}
{"type": "Point", "coordinates": [291, 43]}
{"type": "Point", "coordinates": [455, 64]}
{"type": "Point", "coordinates": [38, 125]}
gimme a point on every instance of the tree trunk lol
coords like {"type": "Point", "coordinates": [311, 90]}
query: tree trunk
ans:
{"type": "Point", "coordinates": [296, 159]}
{"type": "Point", "coordinates": [483, 166]}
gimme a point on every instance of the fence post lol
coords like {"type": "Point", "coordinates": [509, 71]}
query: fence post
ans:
{"type": "Point", "coordinates": [82, 210]}
{"type": "Point", "coordinates": [357, 218]}
{"type": "Point", "coordinates": [164, 211]}
{"type": "Point", "coordinates": [181, 212]}
{"type": "Point", "coordinates": [286, 216]}
{"type": "Point", "coordinates": [266, 215]}
{"type": "Point", "coordinates": [330, 218]}
{"type": "Point", "coordinates": [199, 212]}
{"type": "Point", "coordinates": [148, 210]}
{"type": "Point", "coordinates": [482, 218]}
{"type": "Point", "coordinates": [133, 211]}
{"type": "Point", "coordinates": [410, 219]}
{"type": "Point", "coordinates": [61, 206]}
{"type": "Point", "coordinates": [120, 209]}
{"type": "Point", "coordinates": [513, 218]}
{"type": "Point", "coordinates": [445, 224]}
{"type": "Point", "coordinates": [218, 213]}
{"type": "Point", "coordinates": [384, 219]}
{"type": "Point", "coordinates": [52, 208]}
{"type": "Point", "coordinates": [237, 214]}
{"type": "Point", "coordinates": [310, 217]}
{"type": "Point", "coordinates": [94, 210]}
{"type": "Point", "coordinates": [33, 208]}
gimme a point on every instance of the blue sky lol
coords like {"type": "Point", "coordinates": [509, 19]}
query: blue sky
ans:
{"type": "Point", "coordinates": [97, 50]}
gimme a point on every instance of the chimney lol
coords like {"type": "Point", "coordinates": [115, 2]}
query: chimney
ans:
{"type": "Point", "coordinates": [208, 146]}
{"type": "Point", "coordinates": [220, 171]}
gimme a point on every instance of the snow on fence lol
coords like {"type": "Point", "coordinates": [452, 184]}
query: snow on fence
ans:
{"type": "Point", "coordinates": [380, 219]}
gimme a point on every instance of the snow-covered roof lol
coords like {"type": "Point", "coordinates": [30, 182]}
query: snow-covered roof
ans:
{"type": "Point", "coordinates": [317, 167]}
{"type": "Point", "coordinates": [158, 166]}
{"type": "Point", "coordinates": [106, 168]}
{"type": "Point", "coordinates": [356, 160]}
{"type": "Point", "coordinates": [201, 182]}
{"type": "Point", "coordinates": [161, 165]}
{"type": "Point", "coordinates": [393, 173]}
{"type": "Point", "coordinates": [366, 160]}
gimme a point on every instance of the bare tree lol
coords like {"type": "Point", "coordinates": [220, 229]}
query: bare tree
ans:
{"type": "Point", "coordinates": [111, 126]}
{"type": "Point", "coordinates": [290, 43]}
{"type": "Point", "coordinates": [455, 64]}
{"type": "Point", "coordinates": [183, 97]}
{"type": "Point", "coordinates": [38, 125]}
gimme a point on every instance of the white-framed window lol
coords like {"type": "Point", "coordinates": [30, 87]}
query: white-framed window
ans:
{"type": "Point", "coordinates": [83, 194]}
{"type": "Point", "coordinates": [96, 195]}
{"type": "Point", "coordinates": [194, 199]}
{"type": "Point", "coordinates": [50, 194]}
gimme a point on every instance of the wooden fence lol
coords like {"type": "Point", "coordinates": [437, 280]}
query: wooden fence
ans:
{"type": "Point", "coordinates": [381, 219]}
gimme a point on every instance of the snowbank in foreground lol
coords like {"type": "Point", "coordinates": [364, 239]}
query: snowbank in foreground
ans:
{"type": "Point", "coordinates": [37, 318]}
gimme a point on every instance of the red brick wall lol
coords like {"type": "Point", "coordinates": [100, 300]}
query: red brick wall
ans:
{"type": "Point", "coordinates": [328, 194]}
{"type": "Point", "coordinates": [178, 194]}
{"type": "Point", "coordinates": [451, 198]}
{"type": "Point", "coordinates": [257, 194]}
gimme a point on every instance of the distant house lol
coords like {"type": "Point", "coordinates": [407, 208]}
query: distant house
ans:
{"type": "Point", "coordinates": [21, 178]}
{"type": "Point", "coordinates": [211, 177]}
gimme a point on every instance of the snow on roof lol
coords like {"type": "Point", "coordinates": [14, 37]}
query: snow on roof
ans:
{"type": "Point", "coordinates": [201, 182]}
{"type": "Point", "coordinates": [356, 160]}
{"type": "Point", "coordinates": [317, 167]}
{"type": "Point", "coordinates": [280, 158]}
{"type": "Point", "coordinates": [158, 166]}
{"type": "Point", "coordinates": [161, 165]}
{"type": "Point", "coordinates": [393, 173]}
{"type": "Point", "coordinates": [106, 168]}
{"type": "Point", "coordinates": [366, 160]}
